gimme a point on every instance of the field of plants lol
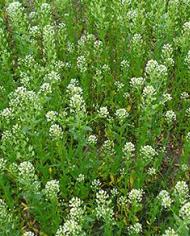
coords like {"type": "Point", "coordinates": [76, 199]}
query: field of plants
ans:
{"type": "Point", "coordinates": [95, 118]}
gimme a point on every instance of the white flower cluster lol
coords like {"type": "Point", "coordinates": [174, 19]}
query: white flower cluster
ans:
{"type": "Point", "coordinates": [52, 78]}
{"type": "Point", "coordinates": [119, 85]}
{"type": "Point", "coordinates": [135, 196]}
{"type": "Point", "coordinates": [27, 177]}
{"type": "Point", "coordinates": [6, 217]}
{"type": "Point", "coordinates": [76, 102]}
{"type": "Point", "coordinates": [187, 112]}
{"type": "Point", "coordinates": [121, 114]}
{"type": "Point", "coordinates": [149, 91]}
{"type": "Point", "coordinates": [181, 191]}
{"type": "Point", "coordinates": [122, 201]}
{"type": "Point", "coordinates": [6, 113]}
{"type": "Point", "coordinates": [148, 153]}
{"type": "Point", "coordinates": [73, 224]}
{"type": "Point", "coordinates": [80, 178]}
{"type": "Point", "coordinates": [170, 232]}
{"type": "Point", "coordinates": [52, 189]}
{"type": "Point", "coordinates": [129, 149]}
{"type": "Point", "coordinates": [23, 101]}
{"type": "Point", "coordinates": [55, 131]}
{"type": "Point", "coordinates": [45, 89]}
{"type": "Point", "coordinates": [137, 83]}
{"type": "Point", "coordinates": [103, 112]}
{"type": "Point", "coordinates": [151, 171]}
{"type": "Point", "coordinates": [26, 171]}
{"type": "Point", "coordinates": [86, 39]}
{"type": "Point", "coordinates": [135, 229]}
{"type": "Point", "coordinates": [167, 55]}
{"type": "Point", "coordinates": [124, 64]}
{"type": "Point", "coordinates": [184, 95]}
{"type": "Point", "coordinates": [170, 116]}
{"type": "Point", "coordinates": [104, 209]}
{"type": "Point", "coordinates": [49, 42]}
{"type": "Point", "coordinates": [51, 116]}
{"type": "Point", "coordinates": [184, 212]}
{"type": "Point", "coordinates": [92, 139]}
{"type": "Point", "coordinates": [45, 7]}
{"type": "Point", "coordinates": [137, 39]}
{"type": "Point", "coordinates": [186, 28]}
{"type": "Point", "coordinates": [154, 70]}
{"type": "Point", "coordinates": [28, 233]}
{"type": "Point", "coordinates": [96, 184]}
{"type": "Point", "coordinates": [3, 210]}
{"type": "Point", "coordinates": [108, 147]}
{"type": "Point", "coordinates": [82, 64]}
{"type": "Point", "coordinates": [166, 97]}
{"type": "Point", "coordinates": [188, 136]}
{"type": "Point", "coordinates": [3, 164]}
{"type": "Point", "coordinates": [187, 59]}
{"type": "Point", "coordinates": [165, 199]}
{"type": "Point", "coordinates": [15, 10]}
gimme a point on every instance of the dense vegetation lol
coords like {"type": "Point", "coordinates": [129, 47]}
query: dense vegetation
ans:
{"type": "Point", "coordinates": [94, 117]}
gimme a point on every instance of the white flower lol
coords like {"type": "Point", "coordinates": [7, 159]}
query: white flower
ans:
{"type": "Point", "coordinates": [124, 64]}
{"type": "Point", "coordinates": [188, 136]}
{"type": "Point", "coordinates": [122, 201]}
{"type": "Point", "coordinates": [52, 189]}
{"type": "Point", "coordinates": [14, 8]}
{"type": "Point", "coordinates": [45, 7]}
{"type": "Point", "coordinates": [45, 89]}
{"type": "Point", "coordinates": [184, 95]}
{"type": "Point", "coordinates": [26, 170]}
{"type": "Point", "coordinates": [28, 233]}
{"type": "Point", "coordinates": [154, 70]}
{"type": "Point", "coordinates": [70, 228]}
{"type": "Point", "coordinates": [77, 104]}
{"type": "Point", "coordinates": [82, 64]}
{"type": "Point", "coordinates": [187, 59]}
{"type": "Point", "coordinates": [6, 113]}
{"type": "Point", "coordinates": [167, 55]}
{"type": "Point", "coordinates": [151, 171]}
{"type": "Point", "coordinates": [3, 164]}
{"type": "Point", "coordinates": [149, 91]}
{"type": "Point", "coordinates": [184, 167]}
{"type": "Point", "coordinates": [181, 191]}
{"type": "Point", "coordinates": [92, 139]}
{"type": "Point", "coordinates": [135, 229]}
{"type": "Point", "coordinates": [55, 131]}
{"type": "Point", "coordinates": [170, 232]}
{"type": "Point", "coordinates": [121, 113]}
{"type": "Point", "coordinates": [108, 147]}
{"type": "Point", "coordinates": [51, 116]}
{"type": "Point", "coordinates": [80, 178]}
{"type": "Point", "coordinates": [165, 199]}
{"type": "Point", "coordinates": [95, 184]}
{"type": "Point", "coordinates": [137, 83]}
{"type": "Point", "coordinates": [119, 85]}
{"type": "Point", "coordinates": [129, 149]}
{"type": "Point", "coordinates": [186, 27]}
{"type": "Point", "coordinates": [76, 210]}
{"type": "Point", "coordinates": [188, 112]}
{"type": "Point", "coordinates": [148, 152]}
{"type": "Point", "coordinates": [166, 97]}
{"type": "Point", "coordinates": [52, 77]}
{"type": "Point", "coordinates": [170, 116]}
{"type": "Point", "coordinates": [184, 212]}
{"type": "Point", "coordinates": [103, 112]}
{"type": "Point", "coordinates": [104, 209]}
{"type": "Point", "coordinates": [135, 195]}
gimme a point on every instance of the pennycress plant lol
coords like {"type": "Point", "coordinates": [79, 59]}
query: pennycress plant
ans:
{"type": "Point", "coordinates": [94, 118]}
